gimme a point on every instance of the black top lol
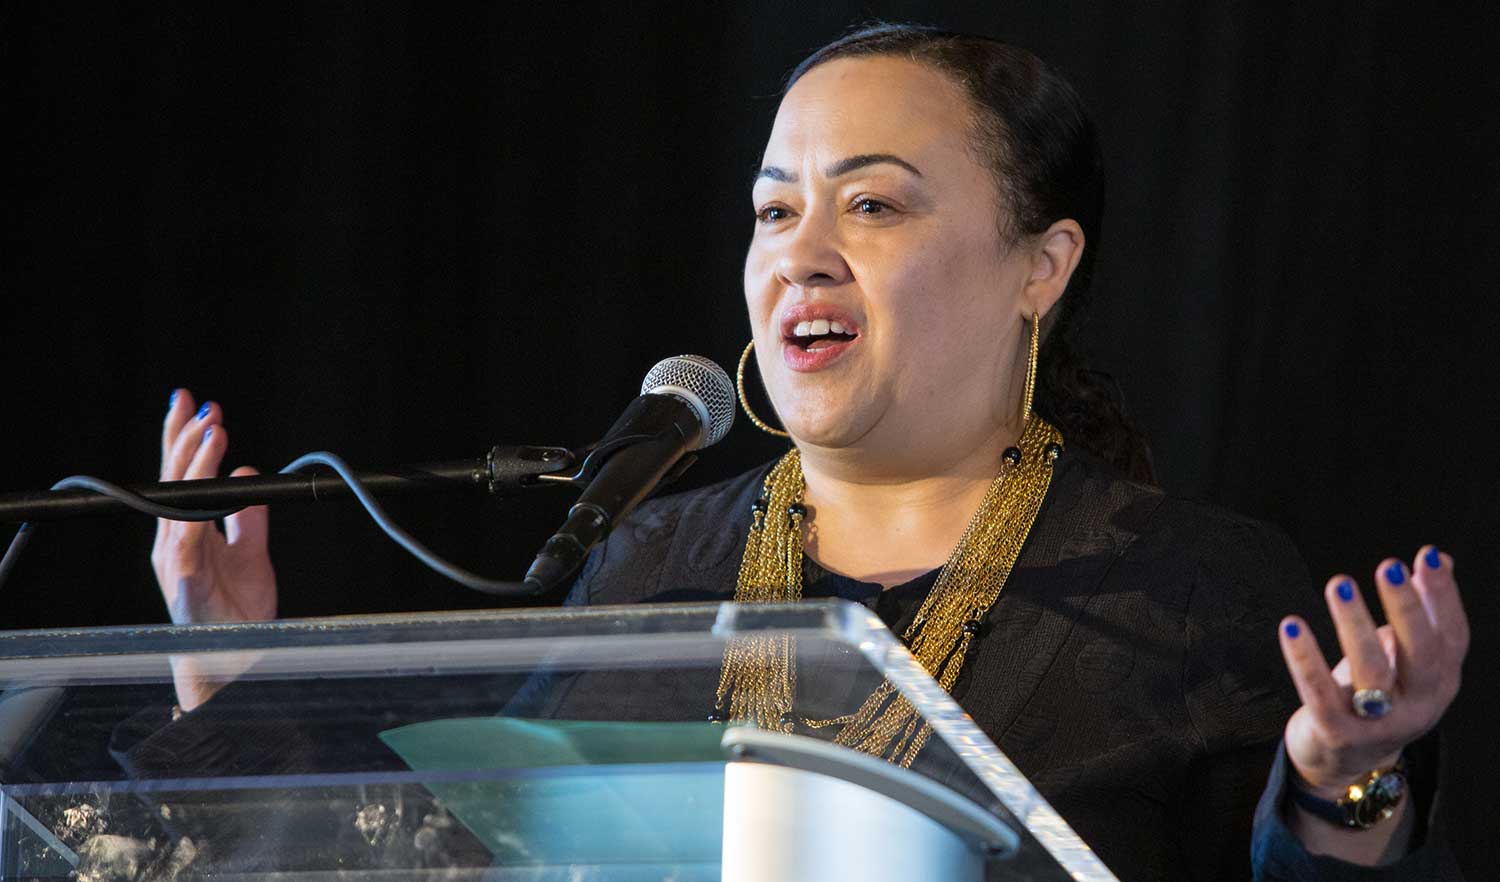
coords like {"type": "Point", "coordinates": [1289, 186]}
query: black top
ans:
{"type": "Point", "coordinates": [892, 605]}
{"type": "Point", "coordinates": [1130, 669]}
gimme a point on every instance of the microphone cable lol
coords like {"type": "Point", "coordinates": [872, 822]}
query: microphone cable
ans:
{"type": "Point", "coordinates": [377, 513]}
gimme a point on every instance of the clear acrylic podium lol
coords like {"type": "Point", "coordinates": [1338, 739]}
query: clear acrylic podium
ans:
{"type": "Point", "coordinates": [564, 744]}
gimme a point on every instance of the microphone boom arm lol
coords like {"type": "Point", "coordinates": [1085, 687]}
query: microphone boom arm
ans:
{"type": "Point", "coordinates": [502, 471]}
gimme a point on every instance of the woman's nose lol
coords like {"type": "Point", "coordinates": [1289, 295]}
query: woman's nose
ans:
{"type": "Point", "coordinates": [812, 257]}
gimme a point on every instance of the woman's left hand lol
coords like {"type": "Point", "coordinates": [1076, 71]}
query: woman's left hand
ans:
{"type": "Point", "coordinates": [1415, 659]}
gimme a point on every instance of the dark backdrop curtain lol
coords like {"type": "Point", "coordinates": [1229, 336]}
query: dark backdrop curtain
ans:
{"type": "Point", "coordinates": [405, 232]}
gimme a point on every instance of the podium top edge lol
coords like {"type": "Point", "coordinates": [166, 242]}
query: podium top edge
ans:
{"type": "Point", "coordinates": [836, 619]}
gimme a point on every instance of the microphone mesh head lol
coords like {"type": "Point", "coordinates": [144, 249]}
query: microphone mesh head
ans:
{"type": "Point", "coordinates": [703, 385]}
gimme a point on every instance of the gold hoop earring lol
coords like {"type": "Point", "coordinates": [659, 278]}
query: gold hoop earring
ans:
{"type": "Point", "coordinates": [739, 385]}
{"type": "Point", "coordinates": [1031, 360]}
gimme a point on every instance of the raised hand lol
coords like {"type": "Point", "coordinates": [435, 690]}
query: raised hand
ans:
{"type": "Point", "coordinates": [1415, 659]}
{"type": "Point", "coordinates": [206, 575]}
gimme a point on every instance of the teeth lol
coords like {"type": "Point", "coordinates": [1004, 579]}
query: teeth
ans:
{"type": "Point", "coordinates": [818, 328]}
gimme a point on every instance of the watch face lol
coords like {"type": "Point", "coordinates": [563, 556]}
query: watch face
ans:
{"type": "Point", "coordinates": [1380, 798]}
{"type": "Point", "coordinates": [1387, 789]}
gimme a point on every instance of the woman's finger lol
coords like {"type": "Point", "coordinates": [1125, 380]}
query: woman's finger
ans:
{"type": "Point", "coordinates": [1368, 666]}
{"type": "Point", "coordinates": [189, 439]}
{"type": "Point", "coordinates": [247, 529]}
{"type": "Point", "coordinates": [204, 464]}
{"type": "Point", "coordinates": [180, 409]}
{"type": "Point", "coordinates": [210, 452]}
{"type": "Point", "coordinates": [1432, 575]}
{"type": "Point", "coordinates": [1309, 670]}
{"type": "Point", "coordinates": [1419, 657]}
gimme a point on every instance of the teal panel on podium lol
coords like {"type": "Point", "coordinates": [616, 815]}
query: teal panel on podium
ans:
{"type": "Point", "coordinates": [579, 792]}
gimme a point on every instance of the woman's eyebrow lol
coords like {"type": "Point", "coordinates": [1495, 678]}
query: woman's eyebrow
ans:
{"type": "Point", "coordinates": [854, 163]}
{"type": "Point", "coordinates": [842, 167]}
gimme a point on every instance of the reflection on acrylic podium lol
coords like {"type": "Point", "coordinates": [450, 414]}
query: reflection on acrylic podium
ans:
{"type": "Point", "coordinates": [567, 744]}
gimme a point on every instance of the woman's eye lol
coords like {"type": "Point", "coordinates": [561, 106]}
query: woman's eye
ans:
{"type": "Point", "coordinates": [771, 214]}
{"type": "Point", "coordinates": [871, 206]}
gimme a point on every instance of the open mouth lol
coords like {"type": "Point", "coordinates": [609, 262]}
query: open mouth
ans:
{"type": "Point", "coordinates": [811, 336]}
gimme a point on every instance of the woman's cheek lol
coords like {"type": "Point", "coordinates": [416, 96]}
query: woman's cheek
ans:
{"type": "Point", "coordinates": [760, 289]}
{"type": "Point", "coordinates": [917, 289]}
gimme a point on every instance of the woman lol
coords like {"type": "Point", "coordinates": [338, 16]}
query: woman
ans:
{"type": "Point", "coordinates": [924, 217]}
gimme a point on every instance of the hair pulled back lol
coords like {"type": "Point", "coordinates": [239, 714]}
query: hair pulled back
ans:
{"type": "Point", "coordinates": [1031, 127]}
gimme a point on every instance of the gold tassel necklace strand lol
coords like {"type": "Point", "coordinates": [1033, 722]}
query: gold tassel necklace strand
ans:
{"type": "Point", "coordinates": [758, 680]}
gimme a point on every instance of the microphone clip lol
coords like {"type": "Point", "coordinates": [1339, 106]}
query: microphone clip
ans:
{"type": "Point", "coordinates": [506, 469]}
{"type": "Point", "coordinates": [596, 454]}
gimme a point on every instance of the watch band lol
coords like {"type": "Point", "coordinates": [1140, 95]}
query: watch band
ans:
{"type": "Point", "coordinates": [1327, 809]}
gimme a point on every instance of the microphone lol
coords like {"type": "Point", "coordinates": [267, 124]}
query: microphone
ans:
{"type": "Point", "coordinates": [686, 404]}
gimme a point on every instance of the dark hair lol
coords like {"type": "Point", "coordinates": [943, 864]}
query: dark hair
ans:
{"type": "Point", "coordinates": [1031, 127]}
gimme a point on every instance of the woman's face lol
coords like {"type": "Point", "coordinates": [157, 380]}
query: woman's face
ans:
{"type": "Point", "coordinates": [886, 310]}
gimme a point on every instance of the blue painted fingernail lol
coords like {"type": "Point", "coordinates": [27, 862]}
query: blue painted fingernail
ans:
{"type": "Point", "coordinates": [1434, 560]}
{"type": "Point", "coordinates": [172, 399]}
{"type": "Point", "coordinates": [203, 411]}
{"type": "Point", "coordinates": [1292, 630]}
{"type": "Point", "coordinates": [1346, 591]}
{"type": "Point", "coordinates": [208, 433]}
{"type": "Point", "coordinates": [1395, 574]}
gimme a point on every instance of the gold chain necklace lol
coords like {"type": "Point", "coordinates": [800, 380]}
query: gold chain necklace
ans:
{"type": "Point", "coordinates": [758, 679]}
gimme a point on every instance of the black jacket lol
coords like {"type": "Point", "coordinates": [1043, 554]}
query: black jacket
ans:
{"type": "Point", "coordinates": [1130, 667]}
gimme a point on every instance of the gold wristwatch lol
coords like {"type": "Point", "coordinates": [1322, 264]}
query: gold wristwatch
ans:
{"type": "Point", "coordinates": [1364, 804]}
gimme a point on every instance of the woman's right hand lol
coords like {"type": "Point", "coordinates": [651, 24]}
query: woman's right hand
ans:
{"type": "Point", "coordinates": [206, 575]}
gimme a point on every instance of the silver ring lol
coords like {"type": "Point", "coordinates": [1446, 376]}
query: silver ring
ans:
{"type": "Point", "coordinates": [1372, 704]}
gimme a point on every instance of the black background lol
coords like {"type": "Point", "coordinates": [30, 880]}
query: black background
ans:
{"type": "Point", "coordinates": [406, 233]}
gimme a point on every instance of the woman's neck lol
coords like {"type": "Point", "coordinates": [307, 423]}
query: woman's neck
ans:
{"type": "Point", "coordinates": [889, 522]}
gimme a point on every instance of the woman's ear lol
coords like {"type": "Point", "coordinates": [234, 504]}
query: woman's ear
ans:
{"type": "Point", "coordinates": [1054, 257]}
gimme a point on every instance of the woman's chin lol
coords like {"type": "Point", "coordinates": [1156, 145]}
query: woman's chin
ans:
{"type": "Point", "coordinates": [833, 430]}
